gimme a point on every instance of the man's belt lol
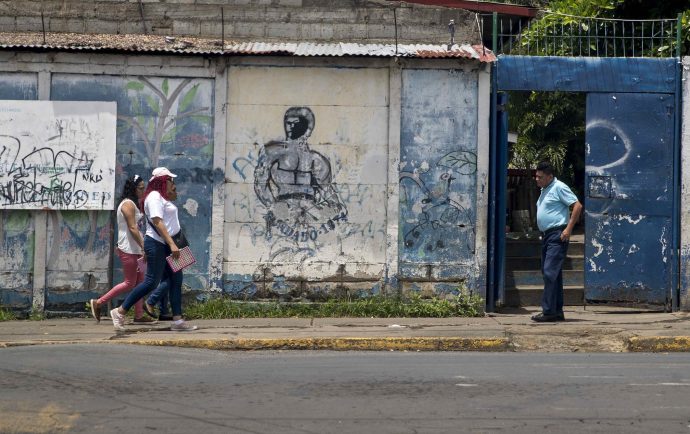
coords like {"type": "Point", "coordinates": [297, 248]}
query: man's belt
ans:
{"type": "Point", "coordinates": [553, 229]}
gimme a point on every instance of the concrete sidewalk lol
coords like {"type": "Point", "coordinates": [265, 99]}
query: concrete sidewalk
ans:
{"type": "Point", "coordinates": [594, 329]}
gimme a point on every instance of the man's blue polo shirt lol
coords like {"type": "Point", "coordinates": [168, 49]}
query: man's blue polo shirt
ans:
{"type": "Point", "coordinates": [553, 205]}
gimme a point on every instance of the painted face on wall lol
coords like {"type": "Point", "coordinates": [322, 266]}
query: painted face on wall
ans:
{"type": "Point", "coordinates": [299, 123]}
{"type": "Point", "coordinates": [295, 127]}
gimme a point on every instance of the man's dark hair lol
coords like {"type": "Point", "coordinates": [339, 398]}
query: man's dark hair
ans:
{"type": "Point", "coordinates": [545, 167]}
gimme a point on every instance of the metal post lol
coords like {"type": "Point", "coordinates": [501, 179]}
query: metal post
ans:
{"type": "Point", "coordinates": [679, 29]}
{"type": "Point", "coordinates": [501, 187]}
{"type": "Point", "coordinates": [491, 250]}
{"type": "Point", "coordinates": [677, 132]}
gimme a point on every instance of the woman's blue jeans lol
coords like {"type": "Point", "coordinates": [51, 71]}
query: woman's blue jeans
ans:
{"type": "Point", "coordinates": [157, 271]}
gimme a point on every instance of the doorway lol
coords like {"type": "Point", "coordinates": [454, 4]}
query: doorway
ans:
{"type": "Point", "coordinates": [631, 112]}
{"type": "Point", "coordinates": [542, 126]}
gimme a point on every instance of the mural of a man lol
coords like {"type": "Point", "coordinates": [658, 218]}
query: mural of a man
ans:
{"type": "Point", "coordinates": [295, 183]}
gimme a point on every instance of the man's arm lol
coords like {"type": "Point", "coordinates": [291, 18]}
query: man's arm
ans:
{"type": "Point", "coordinates": [574, 217]}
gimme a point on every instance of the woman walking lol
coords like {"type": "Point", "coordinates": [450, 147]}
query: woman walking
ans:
{"type": "Point", "coordinates": [162, 221]}
{"type": "Point", "coordinates": [130, 248]}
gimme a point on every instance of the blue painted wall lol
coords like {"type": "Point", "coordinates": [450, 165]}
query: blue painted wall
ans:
{"type": "Point", "coordinates": [438, 174]}
{"type": "Point", "coordinates": [16, 227]}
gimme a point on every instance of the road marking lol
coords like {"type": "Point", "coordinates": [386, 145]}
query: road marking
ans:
{"type": "Point", "coordinates": [466, 385]}
{"type": "Point", "coordinates": [596, 376]}
{"type": "Point", "coordinates": [660, 384]}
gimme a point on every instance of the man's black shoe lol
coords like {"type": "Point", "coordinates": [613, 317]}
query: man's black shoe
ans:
{"type": "Point", "coordinates": [540, 317]}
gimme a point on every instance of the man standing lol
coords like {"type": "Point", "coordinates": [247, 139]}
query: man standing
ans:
{"type": "Point", "coordinates": [553, 205]}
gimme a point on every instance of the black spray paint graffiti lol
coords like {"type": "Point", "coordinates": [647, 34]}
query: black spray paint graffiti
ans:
{"type": "Point", "coordinates": [439, 212]}
{"type": "Point", "coordinates": [295, 184]}
{"type": "Point", "coordinates": [43, 177]}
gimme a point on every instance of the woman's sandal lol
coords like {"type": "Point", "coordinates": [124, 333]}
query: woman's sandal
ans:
{"type": "Point", "coordinates": [150, 311]}
{"type": "Point", "coordinates": [95, 309]}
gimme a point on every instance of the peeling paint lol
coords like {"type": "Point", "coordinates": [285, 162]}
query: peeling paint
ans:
{"type": "Point", "coordinates": [592, 265]}
{"type": "Point", "coordinates": [599, 247]}
{"type": "Point", "coordinates": [191, 206]}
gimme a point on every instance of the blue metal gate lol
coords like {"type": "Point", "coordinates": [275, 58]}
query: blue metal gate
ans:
{"type": "Point", "coordinates": [629, 191]}
{"type": "Point", "coordinates": [632, 168]}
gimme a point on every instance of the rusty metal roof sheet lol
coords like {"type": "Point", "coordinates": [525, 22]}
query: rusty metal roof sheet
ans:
{"type": "Point", "coordinates": [188, 45]}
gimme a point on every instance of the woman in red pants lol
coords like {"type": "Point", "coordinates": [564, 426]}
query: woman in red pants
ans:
{"type": "Point", "coordinates": [130, 248]}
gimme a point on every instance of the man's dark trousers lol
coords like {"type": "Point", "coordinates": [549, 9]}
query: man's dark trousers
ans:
{"type": "Point", "coordinates": [553, 252]}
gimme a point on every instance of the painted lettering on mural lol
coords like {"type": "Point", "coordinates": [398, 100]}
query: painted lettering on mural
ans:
{"type": "Point", "coordinates": [45, 177]}
{"type": "Point", "coordinates": [436, 209]}
{"type": "Point", "coordinates": [295, 185]}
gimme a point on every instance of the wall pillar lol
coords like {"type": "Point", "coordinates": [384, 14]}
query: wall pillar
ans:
{"type": "Point", "coordinates": [392, 190]}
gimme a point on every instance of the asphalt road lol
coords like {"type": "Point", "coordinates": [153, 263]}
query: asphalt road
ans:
{"type": "Point", "coordinates": [137, 389]}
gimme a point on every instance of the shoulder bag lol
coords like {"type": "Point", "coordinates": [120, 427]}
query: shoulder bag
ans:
{"type": "Point", "coordinates": [179, 239]}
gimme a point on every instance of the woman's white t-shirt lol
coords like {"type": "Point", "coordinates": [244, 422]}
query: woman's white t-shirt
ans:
{"type": "Point", "coordinates": [156, 206]}
{"type": "Point", "coordinates": [125, 240]}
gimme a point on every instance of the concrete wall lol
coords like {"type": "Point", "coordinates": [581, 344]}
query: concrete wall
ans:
{"type": "Point", "coordinates": [383, 195]}
{"type": "Point", "coordinates": [283, 20]}
{"type": "Point", "coordinates": [385, 192]}
{"type": "Point", "coordinates": [166, 109]}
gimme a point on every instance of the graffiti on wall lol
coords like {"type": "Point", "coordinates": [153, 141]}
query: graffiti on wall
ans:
{"type": "Point", "coordinates": [437, 213]}
{"type": "Point", "coordinates": [57, 156]}
{"type": "Point", "coordinates": [295, 184]}
{"type": "Point", "coordinates": [438, 171]}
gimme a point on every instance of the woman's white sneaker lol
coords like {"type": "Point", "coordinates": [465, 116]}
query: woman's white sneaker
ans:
{"type": "Point", "coordinates": [184, 326]}
{"type": "Point", "coordinates": [118, 320]}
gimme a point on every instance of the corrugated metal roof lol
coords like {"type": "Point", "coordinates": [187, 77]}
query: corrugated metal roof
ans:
{"type": "Point", "coordinates": [477, 52]}
{"type": "Point", "coordinates": [184, 45]}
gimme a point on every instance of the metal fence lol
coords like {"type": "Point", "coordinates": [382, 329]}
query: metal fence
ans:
{"type": "Point", "coordinates": [552, 34]}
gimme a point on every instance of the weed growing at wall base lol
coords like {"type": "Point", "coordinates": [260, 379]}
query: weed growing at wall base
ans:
{"type": "Point", "coordinates": [7, 315]}
{"type": "Point", "coordinates": [374, 307]}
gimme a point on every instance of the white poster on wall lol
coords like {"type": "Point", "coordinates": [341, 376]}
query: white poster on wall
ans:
{"type": "Point", "coordinates": [57, 155]}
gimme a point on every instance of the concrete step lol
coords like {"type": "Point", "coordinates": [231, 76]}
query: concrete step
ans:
{"type": "Point", "coordinates": [530, 295]}
{"type": "Point", "coordinates": [532, 248]}
{"type": "Point", "coordinates": [534, 277]}
{"type": "Point", "coordinates": [534, 263]}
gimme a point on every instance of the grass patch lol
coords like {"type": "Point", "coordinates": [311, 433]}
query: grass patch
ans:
{"type": "Point", "coordinates": [373, 307]}
{"type": "Point", "coordinates": [7, 315]}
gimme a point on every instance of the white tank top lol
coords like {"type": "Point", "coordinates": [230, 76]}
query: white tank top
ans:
{"type": "Point", "coordinates": [125, 241]}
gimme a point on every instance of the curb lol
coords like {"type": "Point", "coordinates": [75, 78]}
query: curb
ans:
{"type": "Point", "coordinates": [659, 344]}
{"type": "Point", "coordinates": [340, 344]}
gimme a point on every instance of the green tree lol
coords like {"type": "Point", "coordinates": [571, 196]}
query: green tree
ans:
{"type": "Point", "coordinates": [550, 126]}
